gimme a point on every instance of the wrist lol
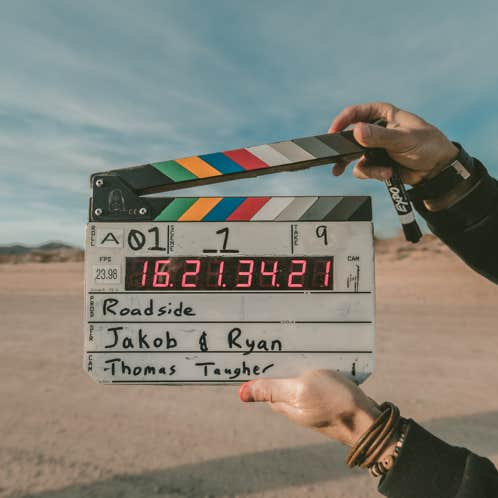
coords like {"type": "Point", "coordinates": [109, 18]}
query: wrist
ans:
{"type": "Point", "coordinates": [452, 180]}
{"type": "Point", "coordinates": [452, 196]}
{"type": "Point", "coordinates": [448, 154]}
{"type": "Point", "coordinates": [355, 425]}
{"type": "Point", "coordinates": [367, 450]}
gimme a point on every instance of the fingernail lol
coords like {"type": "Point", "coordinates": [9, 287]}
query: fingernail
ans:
{"type": "Point", "coordinates": [245, 393]}
{"type": "Point", "coordinates": [386, 174]}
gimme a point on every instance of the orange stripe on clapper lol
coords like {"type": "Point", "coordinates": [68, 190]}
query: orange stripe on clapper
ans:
{"type": "Point", "coordinates": [199, 209]}
{"type": "Point", "coordinates": [198, 167]}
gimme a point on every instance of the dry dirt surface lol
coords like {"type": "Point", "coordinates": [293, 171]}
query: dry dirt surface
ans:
{"type": "Point", "coordinates": [61, 435]}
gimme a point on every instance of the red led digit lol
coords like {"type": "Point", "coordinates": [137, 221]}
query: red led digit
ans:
{"type": "Point", "coordinates": [296, 278]}
{"type": "Point", "coordinates": [194, 274]}
{"type": "Point", "coordinates": [220, 274]}
{"type": "Point", "coordinates": [217, 274]}
{"type": "Point", "coordinates": [144, 272]}
{"type": "Point", "coordinates": [160, 273]}
{"type": "Point", "coordinates": [248, 273]}
{"type": "Point", "coordinates": [265, 273]}
{"type": "Point", "coordinates": [325, 274]}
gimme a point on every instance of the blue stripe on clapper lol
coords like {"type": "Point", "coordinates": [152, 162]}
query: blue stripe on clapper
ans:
{"type": "Point", "coordinates": [222, 163]}
{"type": "Point", "coordinates": [224, 209]}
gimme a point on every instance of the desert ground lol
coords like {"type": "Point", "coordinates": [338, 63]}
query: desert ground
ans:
{"type": "Point", "coordinates": [62, 435]}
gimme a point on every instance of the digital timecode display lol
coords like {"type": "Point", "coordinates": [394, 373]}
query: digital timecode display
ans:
{"type": "Point", "coordinates": [229, 273]}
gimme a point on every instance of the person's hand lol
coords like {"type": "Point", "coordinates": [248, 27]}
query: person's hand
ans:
{"type": "Point", "coordinates": [420, 148]}
{"type": "Point", "coordinates": [320, 399]}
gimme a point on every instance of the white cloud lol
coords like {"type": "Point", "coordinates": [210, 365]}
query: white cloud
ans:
{"type": "Point", "coordinates": [89, 87]}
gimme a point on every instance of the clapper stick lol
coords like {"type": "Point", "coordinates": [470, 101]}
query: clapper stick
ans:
{"type": "Point", "coordinates": [118, 195]}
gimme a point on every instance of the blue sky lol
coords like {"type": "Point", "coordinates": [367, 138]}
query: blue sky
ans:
{"type": "Point", "coordinates": [96, 85]}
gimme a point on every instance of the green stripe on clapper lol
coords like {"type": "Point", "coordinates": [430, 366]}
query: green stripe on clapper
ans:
{"type": "Point", "coordinates": [174, 171]}
{"type": "Point", "coordinates": [175, 209]}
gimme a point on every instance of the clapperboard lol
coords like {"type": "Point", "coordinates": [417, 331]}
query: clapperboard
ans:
{"type": "Point", "coordinates": [207, 290]}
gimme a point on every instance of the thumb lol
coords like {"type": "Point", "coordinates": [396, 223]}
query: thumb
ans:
{"type": "Point", "coordinates": [272, 390]}
{"type": "Point", "coordinates": [370, 135]}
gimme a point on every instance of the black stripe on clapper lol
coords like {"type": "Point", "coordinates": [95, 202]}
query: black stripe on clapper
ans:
{"type": "Point", "coordinates": [143, 178]}
{"type": "Point", "coordinates": [348, 208]}
{"type": "Point", "coordinates": [364, 212]}
{"type": "Point", "coordinates": [158, 204]}
{"type": "Point", "coordinates": [341, 144]}
{"type": "Point", "coordinates": [320, 208]}
{"type": "Point", "coordinates": [315, 147]}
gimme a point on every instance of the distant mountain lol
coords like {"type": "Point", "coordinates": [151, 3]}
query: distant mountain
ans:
{"type": "Point", "coordinates": [22, 249]}
{"type": "Point", "coordinates": [52, 246]}
{"type": "Point", "coordinates": [44, 253]}
{"type": "Point", "coordinates": [14, 249]}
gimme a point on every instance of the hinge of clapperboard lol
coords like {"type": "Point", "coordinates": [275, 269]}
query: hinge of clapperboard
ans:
{"type": "Point", "coordinates": [121, 195]}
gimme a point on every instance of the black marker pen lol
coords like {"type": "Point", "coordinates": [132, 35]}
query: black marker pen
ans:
{"type": "Point", "coordinates": [397, 191]}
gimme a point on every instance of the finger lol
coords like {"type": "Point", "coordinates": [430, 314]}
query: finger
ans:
{"type": "Point", "coordinates": [362, 113]}
{"type": "Point", "coordinates": [370, 135]}
{"type": "Point", "coordinates": [339, 168]}
{"type": "Point", "coordinates": [409, 177]}
{"type": "Point", "coordinates": [364, 170]}
{"type": "Point", "coordinates": [272, 390]}
{"type": "Point", "coordinates": [360, 174]}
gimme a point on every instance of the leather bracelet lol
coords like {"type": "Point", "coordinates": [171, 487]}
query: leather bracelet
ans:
{"type": "Point", "coordinates": [383, 466]}
{"type": "Point", "coordinates": [459, 170]}
{"type": "Point", "coordinates": [380, 443]}
{"type": "Point", "coordinates": [357, 451]}
{"type": "Point", "coordinates": [374, 440]}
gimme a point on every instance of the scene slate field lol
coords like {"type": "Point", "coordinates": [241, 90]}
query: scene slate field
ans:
{"type": "Point", "coordinates": [61, 435]}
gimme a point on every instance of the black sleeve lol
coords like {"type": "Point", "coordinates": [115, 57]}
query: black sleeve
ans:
{"type": "Point", "coordinates": [430, 468]}
{"type": "Point", "coordinates": [470, 227]}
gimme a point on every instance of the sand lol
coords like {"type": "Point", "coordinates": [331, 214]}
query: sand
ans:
{"type": "Point", "coordinates": [61, 435]}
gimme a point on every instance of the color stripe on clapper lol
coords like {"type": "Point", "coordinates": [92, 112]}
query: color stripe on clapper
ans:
{"type": "Point", "coordinates": [175, 209]}
{"type": "Point", "coordinates": [175, 171]}
{"type": "Point", "coordinates": [245, 159]}
{"type": "Point", "coordinates": [224, 209]}
{"type": "Point", "coordinates": [248, 208]}
{"type": "Point", "coordinates": [222, 163]}
{"type": "Point", "coordinates": [281, 155]}
{"type": "Point", "coordinates": [198, 167]}
{"type": "Point", "coordinates": [311, 208]}
{"type": "Point", "coordinates": [200, 208]}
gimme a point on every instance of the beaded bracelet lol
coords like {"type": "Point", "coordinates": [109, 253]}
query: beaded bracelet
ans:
{"type": "Point", "coordinates": [381, 467]}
